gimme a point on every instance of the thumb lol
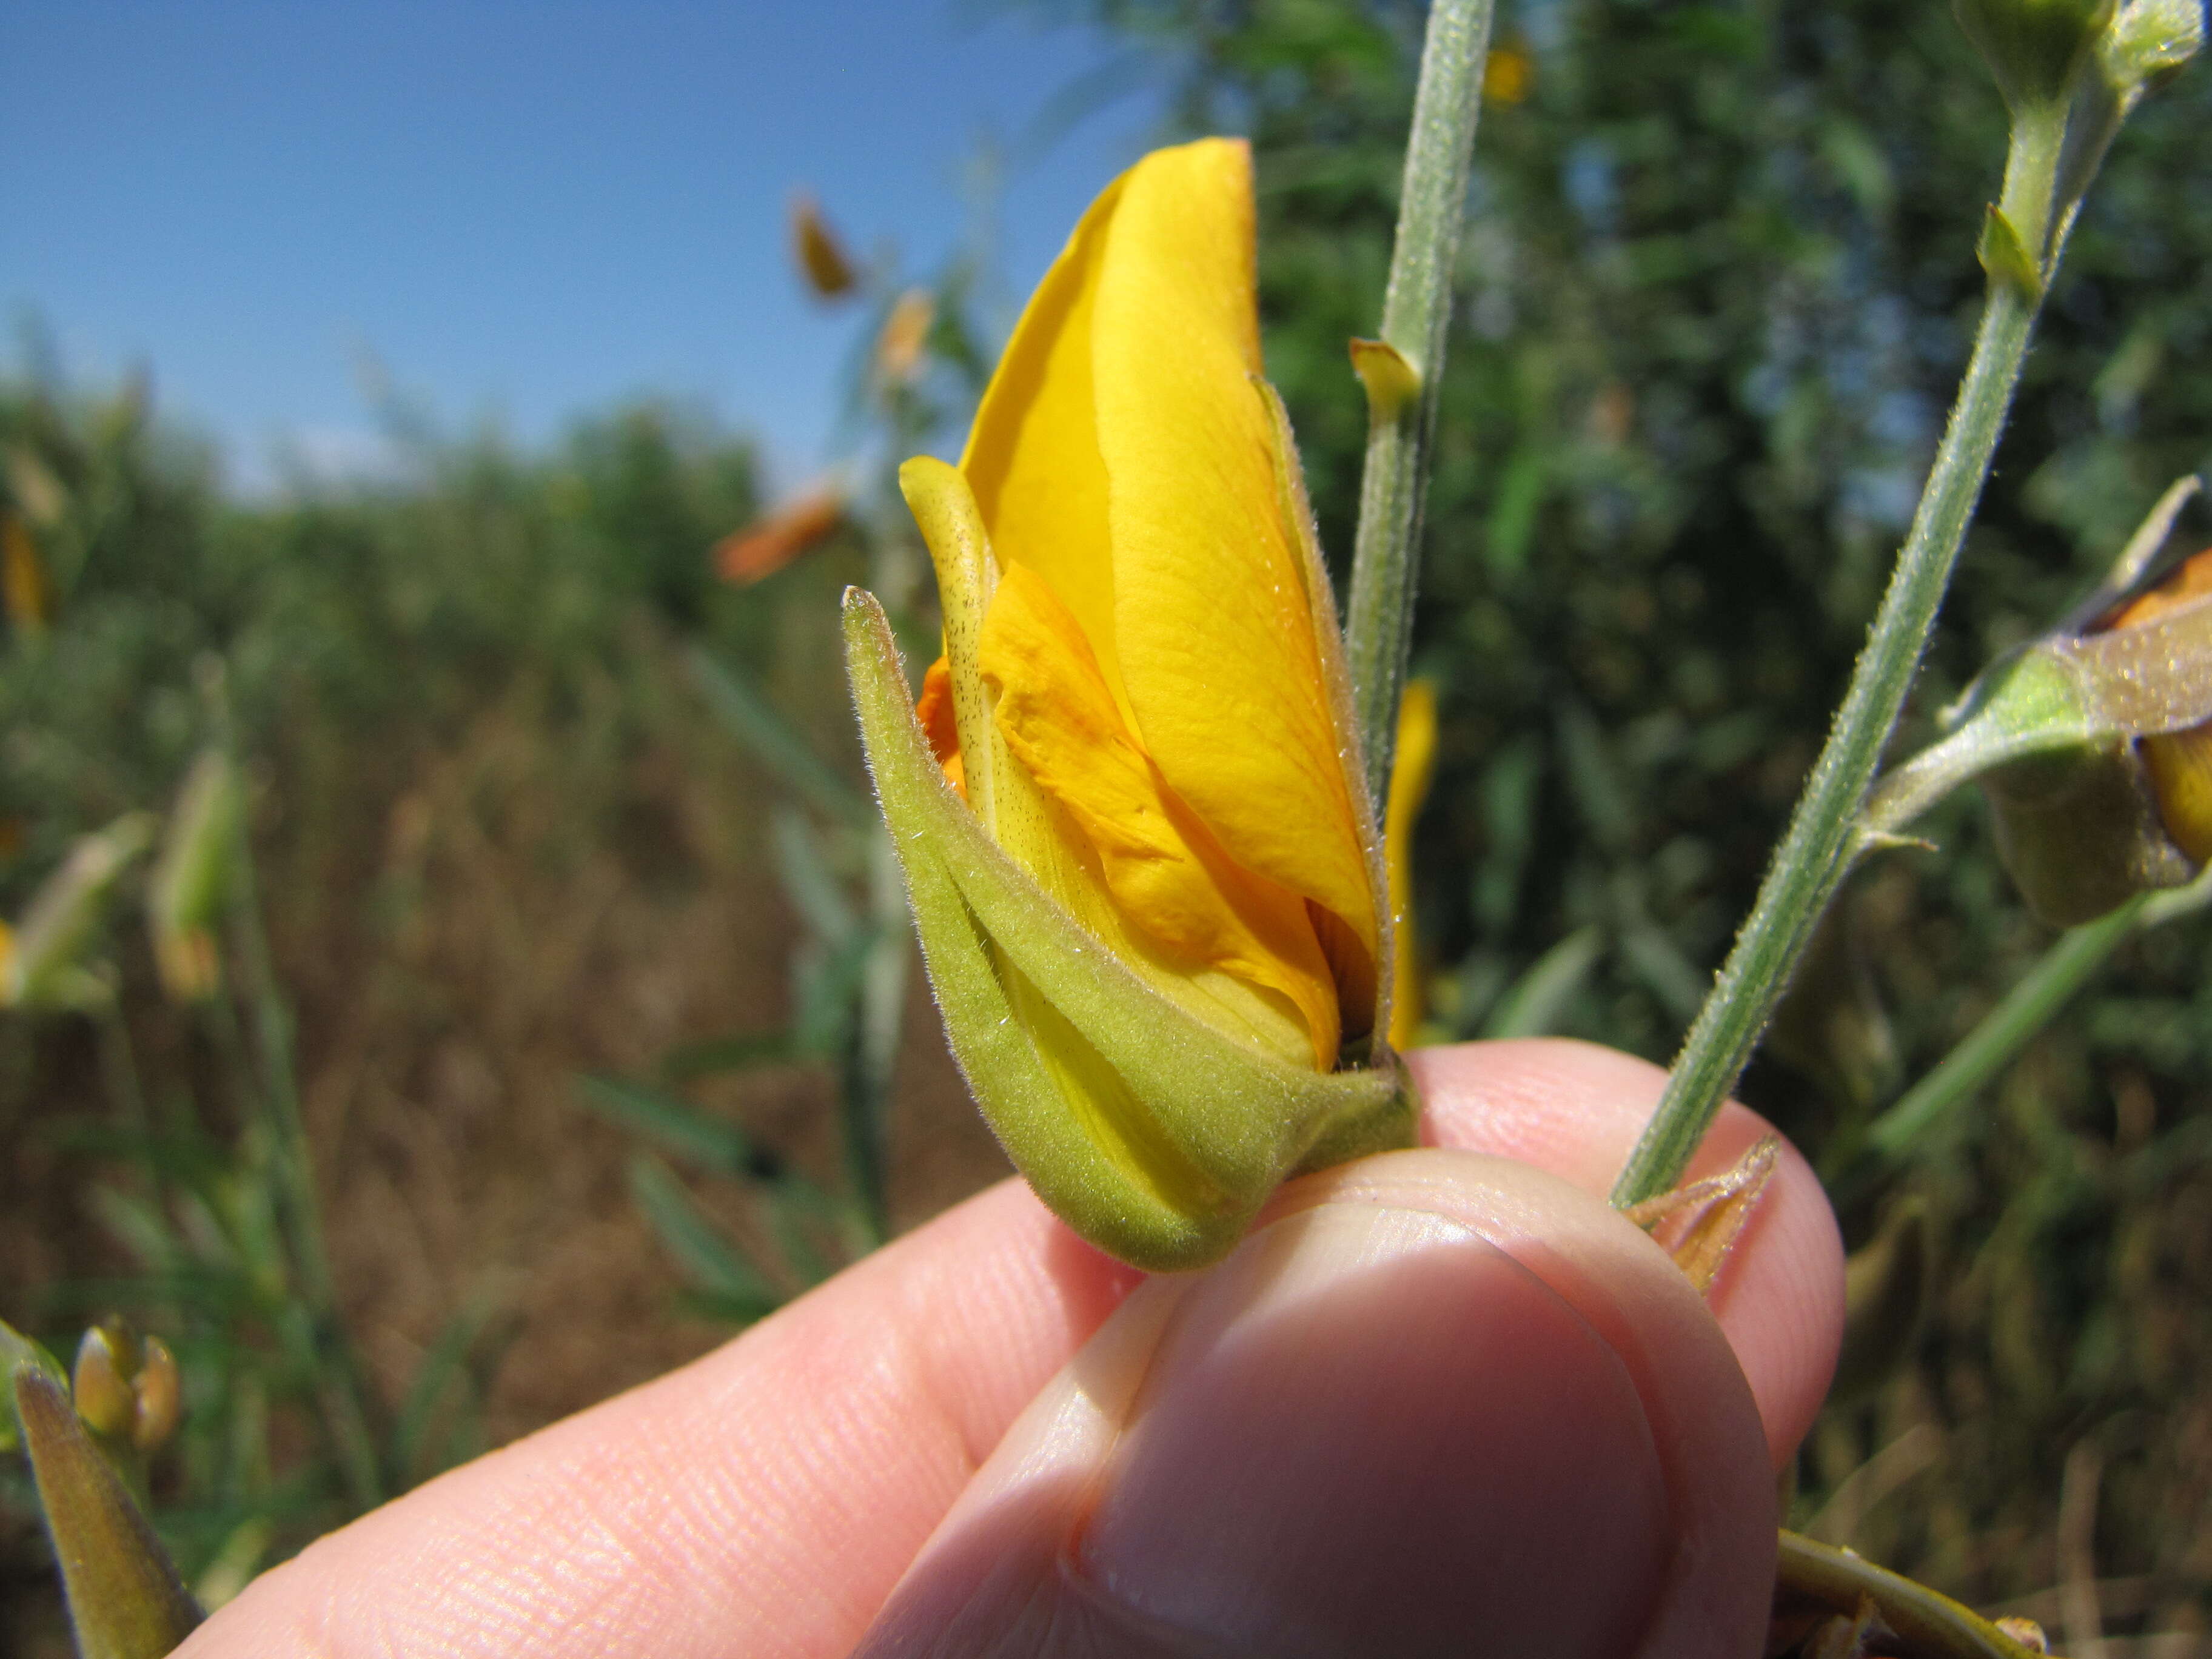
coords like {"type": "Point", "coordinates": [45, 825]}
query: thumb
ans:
{"type": "Point", "coordinates": [1440, 1403]}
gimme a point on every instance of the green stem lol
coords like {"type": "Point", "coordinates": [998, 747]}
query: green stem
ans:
{"type": "Point", "coordinates": [2004, 1030]}
{"type": "Point", "coordinates": [1416, 310]}
{"type": "Point", "coordinates": [1817, 850]}
{"type": "Point", "coordinates": [1923, 1622]}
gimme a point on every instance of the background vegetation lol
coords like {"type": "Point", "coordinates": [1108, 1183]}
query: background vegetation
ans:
{"type": "Point", "coordinates": [1716, 298]}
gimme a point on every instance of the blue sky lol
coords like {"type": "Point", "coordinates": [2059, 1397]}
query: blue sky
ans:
{"type": "Point", "coordinates": [523, 210]}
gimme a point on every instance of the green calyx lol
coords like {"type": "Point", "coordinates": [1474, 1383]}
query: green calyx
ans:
{"type": "Point", "coordinates": [1154, 1135]}
{"type": "Point", "coordinates": [2050, 731]}
{"type": "Point", "coordinates": [125, 1600]}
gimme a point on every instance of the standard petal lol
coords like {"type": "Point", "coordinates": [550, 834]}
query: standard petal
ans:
{"type": "Point", "coordinates": [1214, 624]}
{"type": "Point", "coordinates": [1032, 457]}
{"type": "Point", "coordinates": [1166, 873]}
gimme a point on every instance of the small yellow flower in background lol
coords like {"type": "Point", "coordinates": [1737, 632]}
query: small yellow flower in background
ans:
{"type": "Point", "coordinates": [1506, 74]}
{"type": "Point", "coordinates": [1414, 765]}
{"type": "Point", "coordinates": [905, 335]}
{"type": "Point", "coordinates": [24, 586]}
{"type": "Point", "coordinates": [1156, 925]}
{"type": "Point", "coordinates": [822, 256]}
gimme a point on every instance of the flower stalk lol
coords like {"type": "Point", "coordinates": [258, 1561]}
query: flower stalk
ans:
{"type": "Point", "coordinates": [1403, 370]}
{"type": "Point", "coordinates": [1816, 851]}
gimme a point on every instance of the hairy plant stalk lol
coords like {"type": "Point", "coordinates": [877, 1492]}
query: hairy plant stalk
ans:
{"type": "Point", "coordinates": [1402, 415]}
{"type": "Point", "coordinates": [1817, 851]}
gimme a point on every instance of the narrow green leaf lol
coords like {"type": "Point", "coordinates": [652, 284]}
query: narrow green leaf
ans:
{"type": "Point", "coordinates": [811, 886]}
{"type": "Point", "coordinates": [446, 1371]}
{"type": "Point", "coordinates": [773, 740]}
{"type": "Point", "coordinates": [711, 1261]}
{"type": "Point", "coordinates": [712, 1142]}
{"type": "Point", "coordinates": [1533, 1007]}
{"type": "Point", "coordinates": [827, 992]}
{"type": "Point", "coordinates": [717, 1056]}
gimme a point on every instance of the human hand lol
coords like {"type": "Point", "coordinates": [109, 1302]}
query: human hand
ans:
{"type": "Point", "coordinates": [1438, 1402]}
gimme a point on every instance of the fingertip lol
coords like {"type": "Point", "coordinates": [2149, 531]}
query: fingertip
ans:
{"type": "Point", "coordinates": [1576, 1110]}
{"type": "Point", "coordinates": [1435, 1403]}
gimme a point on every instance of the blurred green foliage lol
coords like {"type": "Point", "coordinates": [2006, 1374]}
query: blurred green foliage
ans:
{"type": "Point", "coordinates": [340, 640]}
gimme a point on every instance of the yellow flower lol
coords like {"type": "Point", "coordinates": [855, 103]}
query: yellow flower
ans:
{"type": "Point", "coordinates": [1142, 703]}
{"type": "Point", "coordinates": [1413, 768]}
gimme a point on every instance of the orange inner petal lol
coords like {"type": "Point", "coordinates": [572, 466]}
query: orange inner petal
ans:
{"type": "Point", "coordinates": [1166, 872]}
{"type": "Point", "coordinates": [933, 708]}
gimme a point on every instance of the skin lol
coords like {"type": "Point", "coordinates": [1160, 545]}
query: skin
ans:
{"type": "Point", "coordinates": [1443, 1401]}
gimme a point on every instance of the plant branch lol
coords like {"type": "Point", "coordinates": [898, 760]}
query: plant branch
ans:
{"type": "Point", "coordinates": [1403, 374]}
{"type": "Point", "coordinates": [1816, 851]}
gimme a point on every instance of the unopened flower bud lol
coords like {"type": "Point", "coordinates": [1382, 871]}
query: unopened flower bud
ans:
{"type": "Point", "coordinates": [99, 1381]}
{"type": "Point", "coordinates": [158, 1396]}
{"type": "Point", "coordinates": [2149, 39]}
{"type": "Point", "coordinates": [192, 877]}
{"type": "Point", "coordinates": [44, 965]}
{"type": "Point", "coordinates": [1130, 807]}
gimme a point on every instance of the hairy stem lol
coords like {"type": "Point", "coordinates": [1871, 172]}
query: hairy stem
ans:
{"type": "Point", "coordinates": [1816, 851]}
{"type": "Point", "coordinates": [1402, 415]}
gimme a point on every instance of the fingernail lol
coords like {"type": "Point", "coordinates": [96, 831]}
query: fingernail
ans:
{"type": "Point", "coordinates": [1372, 1430]}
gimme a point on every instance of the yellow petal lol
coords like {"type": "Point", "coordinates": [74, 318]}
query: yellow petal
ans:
{"type": "Point", "coordinates": [2181, 769]}
{"type": "Point", "coordinates": [1410, 772]}
{"type": "Point", "coordinates": [1166, 872]}
{"type": "Point", "coordinates": [1212, 618]}
{"type": "Point", "coordinates": [1032, 457]}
